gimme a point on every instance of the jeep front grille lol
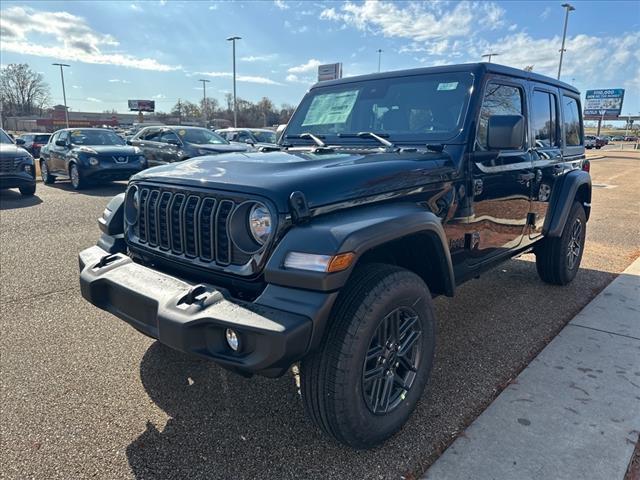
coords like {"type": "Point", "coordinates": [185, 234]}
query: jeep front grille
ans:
{"type": "Point", "coordinates": [190, 225]}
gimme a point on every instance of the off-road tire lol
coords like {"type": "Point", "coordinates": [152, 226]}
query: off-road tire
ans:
{"type": "Point", "coordinates": [332, 380]}
{"type": "Point", "coordinates": [27, 191]}
{"type": "Point", "coordinates": [47, 178]}
{"type": "Point", "coordinates": [552, 254]}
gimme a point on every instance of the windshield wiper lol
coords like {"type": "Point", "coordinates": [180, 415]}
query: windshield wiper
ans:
{"type": "Point", "coordinates": [376, 136]}
{"type": "Point", "coordinates": [316, 138]}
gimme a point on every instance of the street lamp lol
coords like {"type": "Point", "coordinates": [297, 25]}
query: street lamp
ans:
{"type": "Point", "coordinates": [490, 55]}
{"type": "Point", "coordinates": [379, 58]}
{"type": "Point", "coordinates": [204, 100]}
{"type": "Point", "coordinates": [235, 103]}
{"type": "Point", "coordinates": [64, 95]}
{"type": "Point", "coordinates": [568, 8]}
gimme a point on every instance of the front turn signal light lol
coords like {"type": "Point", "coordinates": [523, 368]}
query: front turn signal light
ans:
{"type": "Point", "coordinates": [319, 263]}
{"type": "Point", "coordinates": [341, 262]}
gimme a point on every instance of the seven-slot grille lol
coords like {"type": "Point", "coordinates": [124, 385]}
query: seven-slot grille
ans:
{"type": "Point", "coordinates": [187, 224]}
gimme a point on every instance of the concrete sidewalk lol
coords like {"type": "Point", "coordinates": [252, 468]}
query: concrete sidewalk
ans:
{"type": "Point", "coordinates": [574, 412]}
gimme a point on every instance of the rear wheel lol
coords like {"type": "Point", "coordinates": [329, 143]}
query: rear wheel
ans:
{"type": "Point", "coordinates": [47, 178]}
{"type": "Point", "coordinates": [76, 179]}
{"type": "Point", "coordinates": [367, 376]}
{"type": "Point", "coordinates": [558, 259]}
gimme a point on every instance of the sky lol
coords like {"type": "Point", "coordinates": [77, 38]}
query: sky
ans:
{"type": "Point", "coordinates": [160, 49]}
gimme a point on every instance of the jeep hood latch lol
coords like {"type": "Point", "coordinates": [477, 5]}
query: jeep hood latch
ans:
{"type": "Point", "coordinates": [299, 206]}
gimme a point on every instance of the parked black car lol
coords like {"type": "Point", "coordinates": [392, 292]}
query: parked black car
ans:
{"type": "Point", "coordinates": [33, 142]}
{"type": "Point", "coordinates": [389, 189]}
{"type": "Point", "coordinates": [17, 168]}
{"type": "Point", "coordinates": [86, 155]}
{"type": "Point", "coordinates": [168, 144]}
{"type": "Point", "coordinates": [257, 137]}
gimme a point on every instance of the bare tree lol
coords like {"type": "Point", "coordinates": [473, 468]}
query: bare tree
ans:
{"type": "Point", "coordinates": [22, 91]}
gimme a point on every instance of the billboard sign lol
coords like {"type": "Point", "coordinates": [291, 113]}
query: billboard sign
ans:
{"type": "Point", "coordinates": [604, 103]}
{"type": "Point", "coordinates": [142, 105]}
{"type": "Point", "coordinates": [331, 71]}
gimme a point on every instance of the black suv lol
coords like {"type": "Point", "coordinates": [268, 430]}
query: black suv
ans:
{"type": "Point", "coordinates": [17, 167]}
{"type": "Point", "coordinates": [86, 155]}
{"type": "Point", "coordinates": [387, 190]}
{"type": "Point", "coordinates": [168, 144]}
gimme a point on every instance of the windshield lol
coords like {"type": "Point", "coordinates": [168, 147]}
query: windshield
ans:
{"type": "Point", "coordinates": [95, 137]}
{"type": "Point", "coordinates": [264, 137]}
{"type": "Point", "coordinates": [4, 138]}
{"type": "Point", "coordinates": [201, 136]}
{"type": "Point", "coordinates": [416, 108]}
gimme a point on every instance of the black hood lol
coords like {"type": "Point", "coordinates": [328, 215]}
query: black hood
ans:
{"type": "Point", "coordinates": [124, 150]}
{"type": "Point", "coordinates": [9, 150]}
{"type": "Point", "coordinates": [323, 178]}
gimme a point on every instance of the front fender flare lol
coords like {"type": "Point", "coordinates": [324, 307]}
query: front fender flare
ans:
{"type": "Point", "coordinates": [562, 199]}
{"type": "Point", "coordinates": [356, 230]}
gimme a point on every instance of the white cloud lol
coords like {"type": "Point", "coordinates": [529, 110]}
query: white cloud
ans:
{"type": "Point", "coordinates": [310, 66]}
{"type": "Point", "coordinates": [75, 86]}
{"type": "Point", "coordinates": [93, 100]}
{"type": "Point", "coordinates": [292, 78]}
{"type": "Point", "coordinates": [163, 3]}
{"type": "Point", "coordinates": [159, 96]}
{"type": "Point", "coordinates": [135, 7]}
{"type": "Point", "coordinates": [73, 39]}
{"type": "Point", "coordinates": [213, 7]}
{"type": "Point", "coordinates": [281, 4]}
{"type": "Point", "coordinates": [259, 58]}
{"type": "Point", "coordinates": [240, 78]}
{"type": "Point", "coordinates": [117, 80]}
{"type": "Point", "coordinates": [422, 22]}
{"type": "Point", "coordinates": [513, 27]}
{"type": "Point", "coordinates": [545, 13]}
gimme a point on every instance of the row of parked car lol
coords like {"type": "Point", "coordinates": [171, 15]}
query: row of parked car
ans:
{"type": "Point", "coordinates": [91, 155]}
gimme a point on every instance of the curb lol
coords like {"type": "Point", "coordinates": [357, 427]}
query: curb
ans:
{"type": "Point", "coordinates": [573, 412]}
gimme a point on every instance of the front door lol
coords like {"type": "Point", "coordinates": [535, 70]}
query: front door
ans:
{"type": "Point", "coordinates": [59, 153]}
{"type": "Point", "coordinates": [501, 180]}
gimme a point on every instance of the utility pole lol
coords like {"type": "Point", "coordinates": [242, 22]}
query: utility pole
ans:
{"type": "Point", "coordinates": [235, 102]}
{"type": "Point", "coordinates": [569, 8]}
{"type": "Point", "coordinates": [64, 94]}
{"type": "Point", "coordinates": [379, 58]}
{"type": "Point", "coordinates": [204, 100]}
{"type": "Point", "coordinates": [490, 55]}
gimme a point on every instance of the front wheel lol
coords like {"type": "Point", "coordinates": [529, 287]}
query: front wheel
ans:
{"type": "Point", "coordinates": [76, 179]}
{"type": "Point", "coordinates": [47, 178]}
{"type": "Point", "coordinates": [28, 191]}
{"type": "Point", "coordinates": [366, 378]}
{"type": "Point", "coordinates": [558, 259]}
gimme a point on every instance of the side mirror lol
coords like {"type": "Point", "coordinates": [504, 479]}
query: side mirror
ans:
{"type": "Point", "coordinates": [20, 141]}
{"type": "Point", "coordinates": [248, 141]}
{"type": "Point", "coordinates": [61, 143]}
{"type": "Point", "coordinates": [505, 132]}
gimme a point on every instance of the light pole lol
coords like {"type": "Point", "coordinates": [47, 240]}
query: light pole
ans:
{"type": "Point", "coordinates": [490, 55]}
{"type": "Point", "coordinates": [235, 103]}
{"type": "Point", "coordinates": [568, 8]}
{"type": "Point", "coordinates": [379, 58]}
{"type": "Point", "coordinates": [204, 100]}
{"type": "Point", "coordinates": [64, 95]}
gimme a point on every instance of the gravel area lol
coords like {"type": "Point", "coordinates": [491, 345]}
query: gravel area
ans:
{"type": "Point", "coordinates": [86, 396]}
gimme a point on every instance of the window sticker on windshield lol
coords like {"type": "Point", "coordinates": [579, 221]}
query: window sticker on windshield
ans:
{"type": "Point", "coordinates": [330, 108]}
{"type": "Point", "coordinates": [76, 133]}
{"type": "Point", "coordinates": [448, 86]}
{"type": "Point", "coordinates": [182, 133]}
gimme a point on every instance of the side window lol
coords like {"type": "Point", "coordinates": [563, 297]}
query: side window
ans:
{"type": "Point", "coordinates": [169, 135]}
{"type": "Point", "coordinates": [571, 119]}
{"type": "Point", "coordinates": [54, 137]}
{"type": "Point", "coordinates": [153, 135]}
{"type": "Point", "coordinates": [64, 136]}
{"type": "Point", "coordinates": [544, 119]}
{"type": "Point", "coordinates": [498, 100]}
{"type": "Point", "coordinates": [242, 136]}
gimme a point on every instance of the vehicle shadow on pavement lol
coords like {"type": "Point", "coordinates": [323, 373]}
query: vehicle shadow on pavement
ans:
{"type": "Point", "coordinates": [97, 190]}
{"type": "Point", "coordinates": [10, 199]}
{"type": "Point", "coordinates": [222, 425]}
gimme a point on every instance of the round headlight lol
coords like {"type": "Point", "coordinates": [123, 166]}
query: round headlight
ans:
{"type": "Point", "coordinates": [260, 223]}
{"type": "Point", "coordinates": [93, 161]}
{"type": "Point", "coordinates": [132, 204]}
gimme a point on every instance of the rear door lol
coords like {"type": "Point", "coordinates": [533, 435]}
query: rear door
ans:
{"type": "Point", "coordinates": [501, 180]}
{"type": "Point", "coordinates": [546, 152]}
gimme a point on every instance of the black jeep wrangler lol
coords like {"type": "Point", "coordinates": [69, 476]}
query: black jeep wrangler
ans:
{"type": "Point", "coordinates": [384, 191]}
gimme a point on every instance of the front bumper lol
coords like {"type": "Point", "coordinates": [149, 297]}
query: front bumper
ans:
{"type": "Point", "coordinates": [193, 318]}
{"type": "Point", "coordinates": [17, 179]}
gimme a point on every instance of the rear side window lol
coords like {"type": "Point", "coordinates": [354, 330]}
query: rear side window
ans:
{"type": "Point", "coordinates": [571, 119]}
{"type": "Point", "coordinates": [544, 119]}
{"type": "Point", "coordinates": [498, 100]}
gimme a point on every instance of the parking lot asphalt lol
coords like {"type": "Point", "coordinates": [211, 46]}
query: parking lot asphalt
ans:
{"type": "Point", "coordinates": [86, 396]}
